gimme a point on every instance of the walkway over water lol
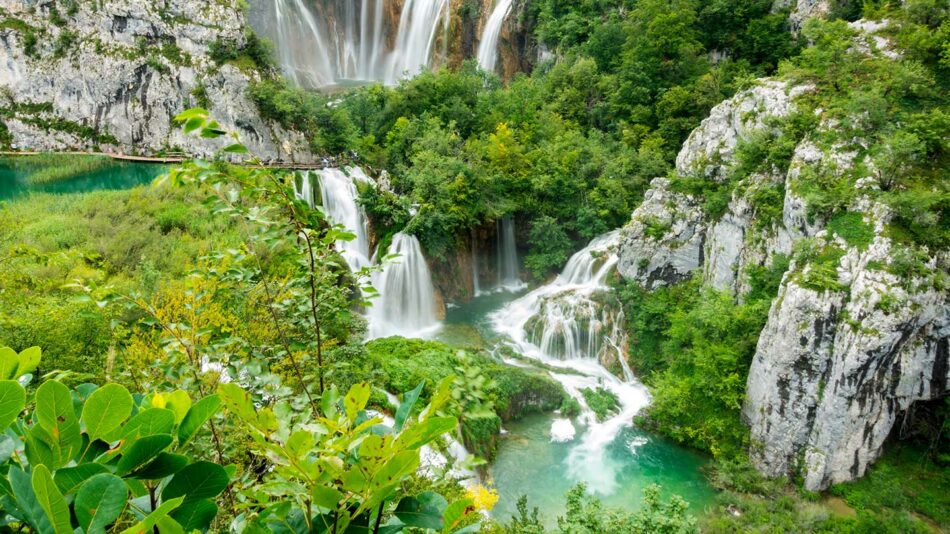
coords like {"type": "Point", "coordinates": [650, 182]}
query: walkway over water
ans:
{"type": "Point", "coordinates": [178, 157]}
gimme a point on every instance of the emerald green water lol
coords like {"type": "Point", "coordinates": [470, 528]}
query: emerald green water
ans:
{"type": "Point", "coordinates": [529, 463]}
{"type": "Point", "coordinates": [14, 182]}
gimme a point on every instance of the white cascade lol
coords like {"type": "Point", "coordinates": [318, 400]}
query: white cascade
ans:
{"type": "Point", "coordinates": [331, 42]}
{"type": "Point", "coordinates": [338, 196]}
{"type": "Point", "coordinates": [406, 305]}
{"type": "Point", "coordinates": [488, 43]}
{"type": "Point", "coordinates": [568, 323]}
{"type": "Point", "coordinates": [506, 255]}
{"type": "Point", "coordinates": [476, 283]}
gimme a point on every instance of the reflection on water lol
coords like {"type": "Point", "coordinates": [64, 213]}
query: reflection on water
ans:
{"type": "Point", "coordinates": [123, 175]}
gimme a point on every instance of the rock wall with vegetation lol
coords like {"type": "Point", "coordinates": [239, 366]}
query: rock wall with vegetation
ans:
{"type": "Point", "coordinates": [111, 75]}
{"type": "Point", "coordinates": [831, 172]}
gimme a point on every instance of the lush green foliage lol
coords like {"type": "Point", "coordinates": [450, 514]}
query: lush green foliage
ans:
{"type": "Point", "coordinates": [585, 514]}
{"type": "Point", "coordinates": [97, 458]}
{"type": "Point", "coordinates": [601, 401]}
{"type": "Point", "coordinates": [694, 346]}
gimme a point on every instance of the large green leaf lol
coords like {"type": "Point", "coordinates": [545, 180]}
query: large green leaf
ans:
{"type": "Point", "coordinates": [99, 502]}
{"type": "Point", "coordinates": [152, 519]}
{"type": "Point", "coordinates": [145, 423]}
{"type": "Point", "coordinates": [195, 515]}
{"type": "Point", "coordinates": [166, 464]}
{"type": "Point", "coordinates": [356, 399]}
{"type": "Point", "coordinates": [197, 416]}
{"type": "Point", "coordinates": [12, 401]}
{"type": "Point", "coordinates": [455, 513]}
{"type": "Point", "coordinates": [29, 361]}
{"type": "Point", "coordinates": [422, 433]}
{"type": "Point", "coordinates": [56, 416]}
{"type": "Point", "coordinates": [401, 465]}
{"type": "Point", "coordinates": [51, 500]}
{"type": "Point", "coordinates": [22, 488]}
{"type": "Point", "coordinates": [9, 361]}
{"type": "Point", "coordinates": [68, 479]}
{"type": "Point", "coordinates": [405, 407]}
{"type": "Point", "coordinates": [178, 402]}
{"type": "Point", "coordinates": [106, 409]}
{"type": "Point", "coordinates": [200, 480]}
{"type": "Point", "coordinates": [141, 452]}
{"type": "Point", "coordinates": [422, 511]}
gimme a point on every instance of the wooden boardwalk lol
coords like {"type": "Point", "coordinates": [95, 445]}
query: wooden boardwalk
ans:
{"type": "Point", "coordinates": [324, 163]}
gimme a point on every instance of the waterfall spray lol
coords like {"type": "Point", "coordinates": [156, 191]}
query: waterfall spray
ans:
{"type": "Point", "coordinates": [406, 305]}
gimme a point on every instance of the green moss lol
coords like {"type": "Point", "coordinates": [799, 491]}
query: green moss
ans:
{"type": "Point", "coordinates": [851, 227]}
{"type": "Point", "coordinates": [480, 434]}
{"type": "Point", "coordinates": [601, 401]}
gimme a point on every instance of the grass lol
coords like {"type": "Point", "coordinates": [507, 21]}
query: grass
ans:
{"type": "Point", "coordinates": [48, 168]}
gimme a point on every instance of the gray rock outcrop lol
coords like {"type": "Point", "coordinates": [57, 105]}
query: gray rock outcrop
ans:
{"type": "Point", "coordinates": [112, 75]}
{"type": "Point", "coordinates": [849, 345]}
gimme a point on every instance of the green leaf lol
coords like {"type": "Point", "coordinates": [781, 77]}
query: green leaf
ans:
{"type": "Point", "coordinates": [9, 361]}
{"type": "Point", "coordinates": [68, 479]}
{"type": "Point", "coordinates": [405, 407]}
{"type": "Point", "coordinates": [22, 488]}
{"type": "Point", "coordinates": [356, 399]}
{"type": "Point", "coordinates": [193, 124]}
{"type": "Point", "coordinates": [195, 515]}
{"type": "Point", "coordinates": [152, 519]}
{"type": "Point", "coordinates": [179, 402]}
{"type": "Point", "coordinates": [200, 480]}
{"type": "Point", "coordinates": [106, 409]}
{"type": "Point", "coordinates": [12, 401]}
{"type": "Point", "coordinates": [141, 452]}
{"type": "Point", "coordinates": [29, 361]}
{"type": "Point", "coordinates": [325, 497]}
{"type": "Point", "coordinates": [145, 423]}
{"type": "Point", "coordinates": [189, 114]}
{"type": "Point", "coordinates": [51, 500]}
{"type": "Point", "coordinates": [99, 502]}
{"type": "Point", "coordinates": [328, 402]}
{"type": "Point", "coordinates": [422, 511]}
{"type": "Point", "coordinates": [455, 513]}
{"type": "Point", "coordinates": [422, 433]}
{"type": "Point", "coordinates": [196, 417]}
{"type": "Point", "coordinates": [401, 465]}
{"type": "Point", "coordinates": [166, 464]}
{"type": "Point", "coordinates": [236, 148]}
{"type": "Point", "coordinates": [56, 417]}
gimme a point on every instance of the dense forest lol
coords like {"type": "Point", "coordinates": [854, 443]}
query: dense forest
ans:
{"type": "Point", "coordinates": [195, 353]}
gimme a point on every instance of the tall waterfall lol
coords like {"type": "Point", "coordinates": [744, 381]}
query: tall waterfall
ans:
{"type": "Point", "coordinates": [570, 323]}
{"type": "Point", "coordinates": [338, 196]}
{"type": "Point", "coordinates": [509, 276]}
{"type": "Point", "coordinates": [488, 43]}
{"type": "Point", "coordinates": [328, 42]}
{"type": "Point", "coordinates": [406, 305]}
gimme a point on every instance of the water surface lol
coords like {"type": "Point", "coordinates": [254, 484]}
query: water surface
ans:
{"type": "Point", "coordinates": [14, 181]}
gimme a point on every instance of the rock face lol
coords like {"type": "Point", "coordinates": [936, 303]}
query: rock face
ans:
{"type": "Point", "coordinates": [848, 345]}
{"type": "Point", "coordinates": [668, 236]}
{"type": "Point", "coordinates": [112, 76]}
{"type": "Point", "coordinates": [802, 10]}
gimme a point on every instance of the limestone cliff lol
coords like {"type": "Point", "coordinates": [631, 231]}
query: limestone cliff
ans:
{"type": "Point", "coordinates": [854, 337]}
{"type": "Point", "coordinates": [111, 75]}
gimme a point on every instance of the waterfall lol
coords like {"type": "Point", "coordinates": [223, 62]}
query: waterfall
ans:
{"type": "Point", "coordinates": [329, 42]}
{"type": "Point", "coordinates": [571, 323]}
{"type": "Point", "coordinates": [488, 43]}
{"type": "Point", "coordinates": [406, 305]}
{"type": "Point", "coordinates": [509, 276]}
{"type": "Point", "coordinates": [338, 196]}
{"type": "Point", "coordinates": [476, 284]}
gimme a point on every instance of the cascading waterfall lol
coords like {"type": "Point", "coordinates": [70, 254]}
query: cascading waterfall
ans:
{"type": "Point", "coordinates": [509, 276]}
{"type": "Point", "coordinates": [569, 323]}
{"type": "Point", "coordinates": [338, 197]}
{"type": "Point", "coordinates": [406, 305]}
{"type": "Point", "coordinates": [332, 42]}
{"type": "Point", "coordinates": [488, 43]}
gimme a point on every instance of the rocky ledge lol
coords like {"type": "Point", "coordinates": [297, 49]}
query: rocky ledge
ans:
{"type": "Point", "coordinates": [111, 76]}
